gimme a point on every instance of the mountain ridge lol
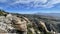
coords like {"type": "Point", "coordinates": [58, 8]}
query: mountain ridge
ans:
{"type": "Point", "coordinates": [28, 24]}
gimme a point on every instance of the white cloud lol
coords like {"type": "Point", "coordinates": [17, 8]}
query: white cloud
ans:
{"type": "Point", "coordinates": [51, 3]}
{"type": "Point", "coordinates": [35, 3]}
{"type": "Point", "coordinates": [54, 1]}
{"type": "Point", "coordinates": [38, 3]}
{"type": "Point", "coordinates": [28, 1]}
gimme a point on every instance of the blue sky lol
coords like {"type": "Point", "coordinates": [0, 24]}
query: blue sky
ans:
{"type": "Point", "coordinates": [30, 6]}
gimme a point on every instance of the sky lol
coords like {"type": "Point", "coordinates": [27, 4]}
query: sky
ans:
{"type": "Point", "coordinates": [30, 6]}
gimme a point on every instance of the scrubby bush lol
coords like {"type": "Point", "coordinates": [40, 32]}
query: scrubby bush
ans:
{"type": "Point", "coordinates": [2, 12]}
{"type": "Point", "coordinates": [49, 33]}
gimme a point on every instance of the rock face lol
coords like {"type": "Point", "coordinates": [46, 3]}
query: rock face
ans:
{"type": "Point", "coordinates": [10, 23]}
{"type": "Point", "coordinates": [26, 24]}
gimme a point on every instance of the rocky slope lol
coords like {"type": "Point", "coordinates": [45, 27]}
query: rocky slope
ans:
{"type": "Point", "coordinates": [27, 24]}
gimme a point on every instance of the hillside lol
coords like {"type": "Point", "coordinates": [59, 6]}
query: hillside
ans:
{"type": "Point", "coordinates": [28, 24]}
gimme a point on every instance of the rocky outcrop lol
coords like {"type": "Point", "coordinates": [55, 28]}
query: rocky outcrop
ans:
{"type": "Point", "coordinates": [26, 24]}
{"type": "Point", "coordinates": [44, 26]}
{"type": "Point", "coordinates": [11, 23]}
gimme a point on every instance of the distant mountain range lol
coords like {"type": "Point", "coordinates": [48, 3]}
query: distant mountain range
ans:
{"type": "Point", "coordinates": [54, 15]}
{"type": "Point", "coordinates": [50, 14]}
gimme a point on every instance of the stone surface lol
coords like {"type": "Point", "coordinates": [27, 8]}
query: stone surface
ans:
{"type": "Point", "coordinates": [26, 24]}
{"type": "Point", "coordinates": [10, 23]}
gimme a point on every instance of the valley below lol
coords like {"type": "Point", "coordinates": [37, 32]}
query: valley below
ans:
{"type": "Point", "coordinates": [28, 23]}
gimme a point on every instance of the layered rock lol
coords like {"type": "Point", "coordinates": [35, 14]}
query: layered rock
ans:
{"type": "Point", "coordinates": [12, 23]}
{"type": "Point", "coordinates": [22, 24]}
